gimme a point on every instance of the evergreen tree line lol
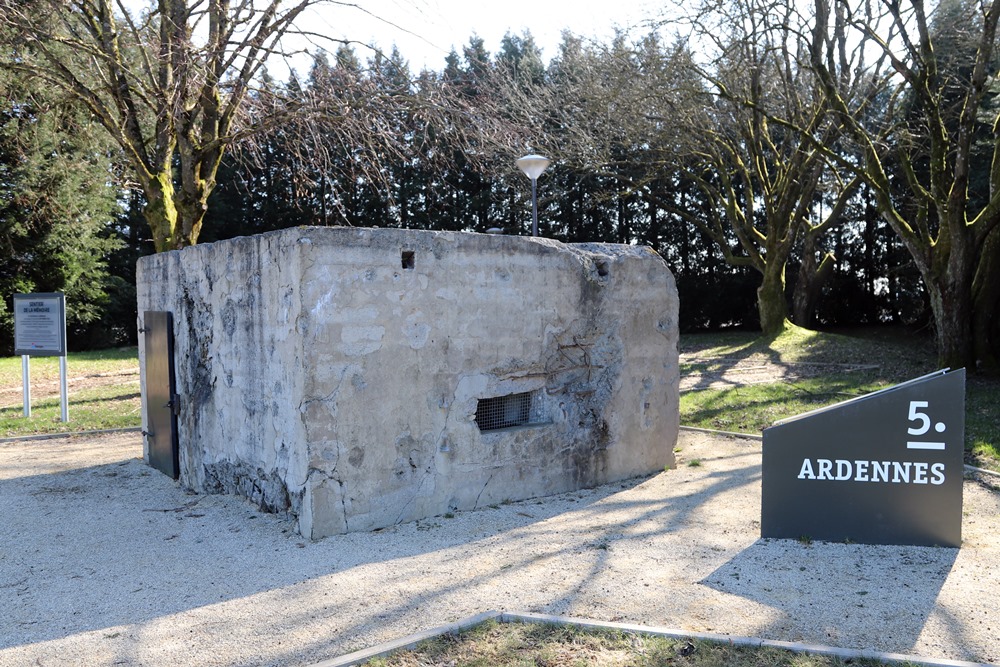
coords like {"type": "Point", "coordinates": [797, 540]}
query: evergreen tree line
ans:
{"type": "Point", "coordinates": [605, 184]}
{"type": "Point", "coordinates": [745, 162]}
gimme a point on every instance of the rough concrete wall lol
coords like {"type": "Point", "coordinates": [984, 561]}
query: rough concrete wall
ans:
{"type": "Point", "coordinates": [238, 364]}
{"type": "Point", "coordinates": [399, 358]}
{"type": "Point", "coordinates": [338, 370]}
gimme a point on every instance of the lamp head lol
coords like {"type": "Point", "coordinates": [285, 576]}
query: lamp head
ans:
{"type": "Point", "coordinates": [533, 165]}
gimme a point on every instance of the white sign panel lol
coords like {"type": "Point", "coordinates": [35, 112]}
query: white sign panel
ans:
{"type": "Point", "coordinates": [40, 324]}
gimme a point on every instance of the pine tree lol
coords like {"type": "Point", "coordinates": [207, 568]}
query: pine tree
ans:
{"type": "Point", "coordinates": [56, 205]}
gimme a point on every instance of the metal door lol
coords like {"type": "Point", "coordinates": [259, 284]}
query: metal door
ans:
{"type": "Point", "coordinates": [161, 399]}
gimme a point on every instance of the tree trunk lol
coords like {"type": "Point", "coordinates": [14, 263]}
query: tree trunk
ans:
{"type": "Point", "coordinates": [175, 222]}
{"type": "Point", "coordinates": [771, 303]}
{"type": "Point", "coordinates": [810, 283]}
{"type": "Point", "coordinates": [160, 211]}
{"type": "Point", "coordinates": [986, 305]}
{"type": "Point", "coordinates": [951, 303]}
{"type": "Point", "coordinates": [948, 278]}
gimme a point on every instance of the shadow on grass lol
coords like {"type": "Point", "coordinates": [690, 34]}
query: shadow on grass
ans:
{"type": "Point", "coordinates": [897, 357]}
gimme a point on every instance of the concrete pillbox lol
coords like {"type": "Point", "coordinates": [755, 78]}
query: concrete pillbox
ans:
{"type": "Point", "coordinates": [358, 378]}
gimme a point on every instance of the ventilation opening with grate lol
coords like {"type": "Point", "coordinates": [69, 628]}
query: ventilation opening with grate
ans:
{"type": "Point", "coordinates": [499, 412]}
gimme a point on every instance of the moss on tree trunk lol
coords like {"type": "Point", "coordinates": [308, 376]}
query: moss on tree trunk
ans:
{"type": "Point", "coordinates": [771, 302]}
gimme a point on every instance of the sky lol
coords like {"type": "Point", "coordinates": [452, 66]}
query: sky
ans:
{"type": "Point", "coordinates": [426, 30]}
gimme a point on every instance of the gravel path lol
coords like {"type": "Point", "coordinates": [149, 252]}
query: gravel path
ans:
{"type": "Point", "coordinates": [104, 561]}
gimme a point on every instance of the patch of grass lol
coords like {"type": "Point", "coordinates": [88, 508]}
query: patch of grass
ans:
{"type": "Point", "coordinates": [982, 422]}
{"type": "Point", "coordinates": [530, 645]}
{"type": "Point", "coordinates": [899, 356]}
{"type": "Point", "coordinates": [103, 393]}
{"type": "Point", "coordinates": [694, 463]}
{"type": "Point", "coordinates": [115, 406]}
{"type": "Point", "coordinates": [751, 408]}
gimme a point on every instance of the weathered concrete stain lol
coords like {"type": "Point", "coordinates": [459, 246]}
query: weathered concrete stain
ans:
{"type": "Point", "coordinates": [334, 373]}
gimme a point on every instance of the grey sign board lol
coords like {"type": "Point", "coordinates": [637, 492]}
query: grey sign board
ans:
{"type": "Point", "coordinates": [884, 468]}
{"type": "Point", "coordinates": [40, 324]}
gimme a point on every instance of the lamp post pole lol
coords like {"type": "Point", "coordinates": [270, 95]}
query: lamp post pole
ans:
{"type": "Point", "coordinates": [534, 207]}
{"type": "Point", "coordinates": [533, 166]}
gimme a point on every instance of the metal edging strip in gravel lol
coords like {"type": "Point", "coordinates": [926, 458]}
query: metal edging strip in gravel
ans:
{"type": "Point", "coordinates": [815, 649]}
{"type": "Point", "coordinates": [382, 650]}
{"type": "Point", "coordinates": [70, 434]}
{"type": "Point", "coordinates": [982, 471]}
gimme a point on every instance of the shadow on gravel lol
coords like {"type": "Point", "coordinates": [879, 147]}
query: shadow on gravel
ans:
{"type": "Point", "coordinates": [118, 548]}
{"type": "Point", "coordinates": [847, 588]}
{"type": "Point", "coordinates": [96, 547]}
{"type": "Point", "coordinates": [117, 558]}
{"type": "Point", "coordinates": [601, 530]}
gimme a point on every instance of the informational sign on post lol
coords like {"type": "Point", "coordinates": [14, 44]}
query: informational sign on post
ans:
{"type": "Point", "coordinates": [40, 324]}
{"type": "Point", "coordinates": [40, 331]}
{"type": "Point", "coordinates": [884, 468]}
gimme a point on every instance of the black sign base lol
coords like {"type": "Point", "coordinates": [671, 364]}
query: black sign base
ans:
{"type": "Point", "coordinates": [885, 468]}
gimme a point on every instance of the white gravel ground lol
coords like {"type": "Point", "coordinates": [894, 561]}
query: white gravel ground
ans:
{"type": "Point", "coordinates": [104, 561]}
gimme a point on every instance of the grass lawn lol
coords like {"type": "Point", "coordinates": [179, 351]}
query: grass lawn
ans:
{"type": "Point", "coordinates": [891, 356]}
{"type": "Point", "coordinates": [103, 393]}
{"type": "Point", "coordinates": [529, 645]}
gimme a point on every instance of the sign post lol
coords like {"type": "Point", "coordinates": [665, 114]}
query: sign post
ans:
{"type": "Point", "coordinates": [883, 468]}
{"type": "Point", "coordinates": [25, 374]}
{"type": "Point", "coordinates": [40, 330]}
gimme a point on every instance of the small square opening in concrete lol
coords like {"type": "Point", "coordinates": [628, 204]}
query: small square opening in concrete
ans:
{"type": "Point", "coordinates": [500, 412]}
{"type": "Point", "coordinates": [408, 259]}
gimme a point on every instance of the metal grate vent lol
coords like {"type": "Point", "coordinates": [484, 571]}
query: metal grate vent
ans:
{"type": "Point", "coordinates": [508, 411]}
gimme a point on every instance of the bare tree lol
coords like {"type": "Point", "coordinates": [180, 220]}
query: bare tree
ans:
{"type": "Point", "coordinates": [170, 84]}
{"type": "Point", "coordinates": [745, 124]}
{"type": "Point", "coordinates": [934, 116]}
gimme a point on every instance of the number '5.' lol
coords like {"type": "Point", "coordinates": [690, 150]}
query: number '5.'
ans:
{"type": "Point", "coordinates": [917, 416]}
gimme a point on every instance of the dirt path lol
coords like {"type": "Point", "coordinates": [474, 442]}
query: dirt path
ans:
{"type": "Point", "coordinates": [723, 373]}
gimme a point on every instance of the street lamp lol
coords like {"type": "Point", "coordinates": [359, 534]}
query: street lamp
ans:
{"type": "Point", "coordinates": [533, 166]}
